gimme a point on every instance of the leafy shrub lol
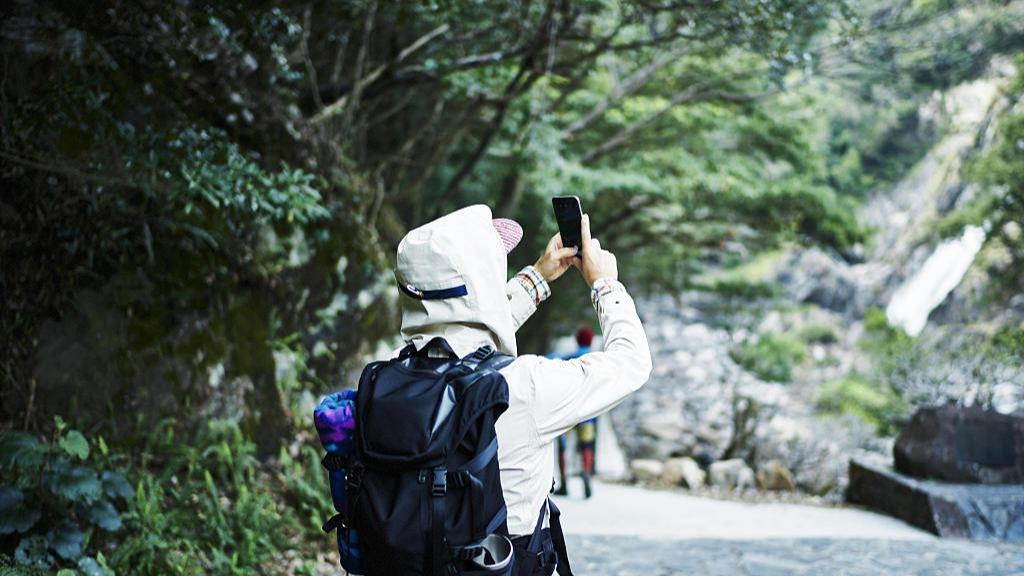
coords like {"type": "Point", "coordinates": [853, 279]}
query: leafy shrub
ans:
{"type": "Point", "coordinates": [307, 489]}
{"type": "Point", "coordinates": [1009, 340]}
{"type": "Point", "coordinates": [771, 357]}
{"type": "Point", "coordinates": [818, 334]}
{"type": "Point", "coordinates": [58, 506]}
{"type": "Point", "coordinates": [872, 402]}
{"type": "Point", "coordinates": [204, 504]}
{"type": "Point", "coordinates": [741, 289]}
{"type": "Point", "coordinates": [889, 345]}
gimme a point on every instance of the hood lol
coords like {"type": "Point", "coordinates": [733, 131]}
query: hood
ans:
{"type": "Point", "coordinates": [451, 274]}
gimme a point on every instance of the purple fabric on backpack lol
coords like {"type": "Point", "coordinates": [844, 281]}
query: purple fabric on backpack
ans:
{"type": "Point", "coordinates": [335, 420]}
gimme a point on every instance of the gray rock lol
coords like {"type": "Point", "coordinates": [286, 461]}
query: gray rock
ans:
{"type": "Point", "coordinates": [684, 471]}
{"type": "Point", "coordinates": [976, 511]}
{"type": "Point", "coordinates": [663, 427]}
{"type": "Point", "coordinates": [731, 474]}
{"type": "Point", "coordinates": [775, 476]}
{"type": "Point", "coordinates": [962, 444]}
{"type": "Point", "coordinates": [646, 470]}
{"type": "Point", "coordinates": [814, 277]}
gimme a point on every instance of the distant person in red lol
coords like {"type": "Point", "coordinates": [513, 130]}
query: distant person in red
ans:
{"type": "Point", "coordinates": [586, 431]}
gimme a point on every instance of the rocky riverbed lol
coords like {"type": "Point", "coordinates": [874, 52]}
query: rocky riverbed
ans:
{"type": "Point", "coordinates": [704, 419]}
{"type": "Point", "coordinates": [774, 377]}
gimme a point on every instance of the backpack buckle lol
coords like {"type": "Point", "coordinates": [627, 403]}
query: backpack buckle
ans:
{"type": "Point", "coordinates": [354, 477]}
{"type": "Point", "coordinates": [439, 487]}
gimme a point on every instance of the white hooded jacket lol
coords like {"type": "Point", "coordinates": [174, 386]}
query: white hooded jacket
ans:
{"type": "Point", "coordinates": [462, 255]}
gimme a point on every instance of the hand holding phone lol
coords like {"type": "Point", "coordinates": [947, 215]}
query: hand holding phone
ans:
{"type": "Point", "coordinates": [595, 262]}
{"type": "Point", "coordinates": [574, 229]}
{"type": "Point", "coordinates": [569, 215]}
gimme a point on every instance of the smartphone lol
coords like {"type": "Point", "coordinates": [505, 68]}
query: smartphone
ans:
{"type": "Point", "coordinates": [569, 215]}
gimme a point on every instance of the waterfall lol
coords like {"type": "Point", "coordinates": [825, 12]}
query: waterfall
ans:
{"type": "Point", "coordinates": [915, 299]}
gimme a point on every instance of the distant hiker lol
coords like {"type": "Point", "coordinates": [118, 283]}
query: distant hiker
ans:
{"type": "Point", "coordinates": [586, 431]}
{"type": "Point", "coordinates": [451, 461]}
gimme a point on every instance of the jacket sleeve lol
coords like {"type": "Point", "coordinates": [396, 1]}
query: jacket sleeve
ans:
{"type": "Point", "coordinates": [567, 392]}
{"type": "Point", "coordinates": [525, 291]}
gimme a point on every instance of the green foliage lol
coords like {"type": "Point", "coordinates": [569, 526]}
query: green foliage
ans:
{"type": "Point", "coordinates": [872, 402]}
{"type": "Point", "coordinates": [818, 333]}
{"type": "Point", "coordinates": [1000, 205]}
{"type": "Point", "coordinates": [307, 488]}
{"type": "Point", "coordinates": [772, 356]}
{"type": "Point", "coordinates": [57, 511]}
{"type": "Point", "coordinates": [740, 289]}
{"type": "Point", "coordinates": [154, 164]}
{"type": "Point", "coordinates": [204, 504]}
{"type": "Point", "coordinates": [890, 346]}
{"type": "Point", "coordinates": [201, 503]}
{"type": "Point", "coordinates": [1009, 340]}
{"type": "Point", "coordinates": [225, 178]}
{"type": "Point", "coordinates": [872, 149]}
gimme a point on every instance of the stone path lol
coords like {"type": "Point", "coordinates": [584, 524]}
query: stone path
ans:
{"type": "Point", "coordinates": [629, 556]}
{"type": "Point", "coordinates": [626, 530]}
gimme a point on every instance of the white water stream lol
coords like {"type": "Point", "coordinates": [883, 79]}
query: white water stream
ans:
{"type": "Point", "coordinates": [915, 299]}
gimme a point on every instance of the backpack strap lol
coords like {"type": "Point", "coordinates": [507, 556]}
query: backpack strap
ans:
{"type": "Point", "coordinates": [434, 560]}
{"type": "Point", "coordinates": [558, 539]}
{"type": "Point", "coordinates": [496, 362]}
{"type": "Point", "coordinates": [469, 477]}
{"type": "Point", "coordinates": [533, 548]}
{"type": "Point", "coordinates": [476, 358]}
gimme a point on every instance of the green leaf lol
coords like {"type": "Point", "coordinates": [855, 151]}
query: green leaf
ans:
{"type": "Point", "coordinates": [67, 572]}
{"type": "Point", "coordinates": [78, 484]}
{"type": "Point", "coordinates": [103, 514]}
{"type": "Point", "coordinates": [116, 486]}
{"type": "Point", "coordinates": [75, 444]}
{"type": "Point", "coordinates": [14, 516]}
{"type": "Point", "coordinates": [66, 541]}
{"type": "Point", "coordinates": [32, 552]}
{"type": "Point", "coordinates": [21, 452]}
{"type": "Point", "coordinates": [90, 567]}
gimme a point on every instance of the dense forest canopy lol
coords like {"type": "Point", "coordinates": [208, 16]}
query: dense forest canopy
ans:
{"type": "Point", "coordinates": [201, 201]}
{"type": "Point", "coordinates": [227, 178]}
{"type": "Point", "coordinates": [220, 182]}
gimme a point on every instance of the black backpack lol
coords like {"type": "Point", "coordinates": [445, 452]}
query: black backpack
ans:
{"type": "Point", "coordinates": [423, 488]}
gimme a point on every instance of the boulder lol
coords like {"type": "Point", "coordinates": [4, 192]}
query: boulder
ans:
{"type": "Point", "coordinates": [775, 476]}
{"type": "Point", "coordinates": [731, 474]}
{"type": "Point", "coordinates": [981, 512]}
{"type": "Point", "coordinates": [665, 426]}
{"type": "Point", "coordinates": [683, 471]}
{"type": "Point", "coordinates": [814, 277]}
{"type": "Point", "coordinates": [646, 471]}
{"type": "Point", "coordinates": [962, 444]}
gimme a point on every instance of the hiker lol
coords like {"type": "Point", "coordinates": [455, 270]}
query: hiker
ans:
{"type": "Point", "coordinates": [586, 431]}
{"type": "Point", "coordinates": [452, 459]}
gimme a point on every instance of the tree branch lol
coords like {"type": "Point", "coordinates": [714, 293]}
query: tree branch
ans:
{"type": "Point", "coordinates": [634, 82]}
{"type": "Point", "coordinates": [307, 23]}
{"type": "Point", "coordinates": [694, 93]}
{"type": "Point", "coordinates": [373, 76]}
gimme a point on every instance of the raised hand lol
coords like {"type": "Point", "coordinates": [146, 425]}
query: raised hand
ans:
{"type": "Point", "coordinates": [555, 260]}
{"type": "Point", "coordinates": [595, 262]}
